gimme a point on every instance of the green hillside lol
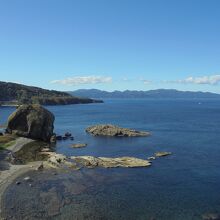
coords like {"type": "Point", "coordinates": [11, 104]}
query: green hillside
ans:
{"type": "Point", "coordinates": [15, 94]}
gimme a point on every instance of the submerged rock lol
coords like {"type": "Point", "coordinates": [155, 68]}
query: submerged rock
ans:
{"type": "Point", "coordinates": [79, 145]}
{"type": "Point", "coordinates": [211, 216]}
{"type": "Point", "coordinates": [112, 130]}
{"type": "Point", "coordinates": [107, 162]}
{"type": "Point", "coordinates": [59, 138]}
{"type": "Point", "coordinates": [162, 154]}
{"type": "Point", "coordinates": [32, 121]}
{"type": "Point", "coordinates": [68, 134]}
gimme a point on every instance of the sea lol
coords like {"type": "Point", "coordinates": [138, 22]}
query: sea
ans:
{"type": "Point", "coordinates": [182, 186]}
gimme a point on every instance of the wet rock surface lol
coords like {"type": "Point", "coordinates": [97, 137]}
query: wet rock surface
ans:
{"type": "Point", "coordinates": [112, 130]}
{"type": "Point", "coordinates": [211, 216]}
{"type": "Point", "coordinates": [53, 196]}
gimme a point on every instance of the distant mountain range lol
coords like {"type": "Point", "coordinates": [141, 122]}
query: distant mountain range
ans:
{"type": "Point", "coordinates": [15, 94]}
{"type": "Point", "coordinates": [158, 93]}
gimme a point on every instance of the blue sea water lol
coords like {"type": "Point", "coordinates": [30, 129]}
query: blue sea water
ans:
{"type": "Point", "coordinates": [182, 186]}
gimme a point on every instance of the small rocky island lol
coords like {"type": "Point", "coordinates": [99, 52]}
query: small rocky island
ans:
{"type": "Point", "coordinates": [112, 130]}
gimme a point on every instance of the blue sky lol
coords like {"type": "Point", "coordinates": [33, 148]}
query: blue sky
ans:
{"type": "Point", "coordinates": [111, 44]}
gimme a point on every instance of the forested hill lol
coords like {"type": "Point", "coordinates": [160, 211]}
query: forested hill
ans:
{"type": "Point", "coordinates": [14, 93]}
{"type": "Point", "coordinates": [157, 93]}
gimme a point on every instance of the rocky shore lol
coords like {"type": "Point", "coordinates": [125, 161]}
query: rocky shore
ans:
{"type": "Point", "coordinates": [27, 145]}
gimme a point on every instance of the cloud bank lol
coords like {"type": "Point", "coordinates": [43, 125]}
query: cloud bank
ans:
{"type": "Point", "coordinates": [79, 80]}
{"type": "Point", "coordinates": [210, 80]}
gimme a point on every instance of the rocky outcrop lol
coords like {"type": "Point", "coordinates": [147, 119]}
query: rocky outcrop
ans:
{"type": "Point", "coordinates": [162, 154]}
{"type": "Point", "coordinates": [31, 121]}
{"type": "Point", "coordinates": [112, 130]}
{"type": "Point", "coordinates": [211, 216]}
{"type": "Point", "coordinates": [79, 145]}
{"type": "Point", "coordinates": [107, 162]}
{"type": "Point", "coordinates": [76, 162]}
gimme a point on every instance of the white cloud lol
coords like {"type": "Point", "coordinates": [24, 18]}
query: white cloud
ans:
{"type": "Point", "coordinates": [78, 80]}
{"type": "Point", "coordinates": [145, 81]}
{"type": "Point", "coordinates": [211, 80]}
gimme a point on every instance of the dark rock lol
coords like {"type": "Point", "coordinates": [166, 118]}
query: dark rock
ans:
{"type": "Point", "coordinates": [71, 138]}
{"type": "Point", "coordinates": [53, 139]}
{"type": "Point", "coordinates": [32, 121]}
{"type": "Point", "coordinates": [64, 138]}
{"type": "Point", "coordinates": [211, 216]}
{"type": "Point", "coordinates": [59, 138]}
{"type": "Point", "coordinates": [40, 167]}
{"type": "Point", "coordinates": [68, 134]}
{"type": "Point", "coordinates": [18, 183]}
{"type": "Point", "coordinates": [1, 134]}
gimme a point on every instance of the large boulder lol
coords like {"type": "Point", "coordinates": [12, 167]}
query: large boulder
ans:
{"type": "Point", "coordinates": [31, 121]}
{"type": "Point", "coordinates": [112, 130]}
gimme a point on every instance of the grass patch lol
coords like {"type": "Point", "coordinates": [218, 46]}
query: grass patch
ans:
{"type": "Point", "coordinates": [6, 141]}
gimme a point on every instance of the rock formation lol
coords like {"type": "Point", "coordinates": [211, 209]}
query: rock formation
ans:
{"type": "Point", "coordinates": [76, 162]}
{"type": "Point", "coordinates": [112, 130]}
{"type": "Point", "coordinates": [31, 121]}
{"type": "Point", "coordinates": [162, 154]}
{"type": "Point", "coordinates": [107, 162]}
{"type": "Point", "coordinates": [79, 145]}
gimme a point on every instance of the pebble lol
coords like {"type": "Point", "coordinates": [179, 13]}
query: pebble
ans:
{"type": "Point", "coordinates": [27, 178]}
{"type": "Point", "coordinates": [40, 167]}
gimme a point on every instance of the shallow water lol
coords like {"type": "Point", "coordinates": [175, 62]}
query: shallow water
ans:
{"type": "Point", "coordinates": [182, 186]}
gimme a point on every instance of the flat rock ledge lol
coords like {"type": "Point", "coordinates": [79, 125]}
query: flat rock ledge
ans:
{"type": "Point", "coordinates": [162, 154]}
{"type": "Point", "coordinates": [77, 162]}
{"type": "Point", "coordinates": [79, 145]}
{"type": "Point", "coordinates": [107, 162]}
{"type": "Point", "coordinates": [112, 130]}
